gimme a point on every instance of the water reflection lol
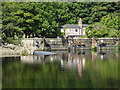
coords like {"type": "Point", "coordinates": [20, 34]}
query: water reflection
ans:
{"type": "Point", "coordinates": [82, 69]}
{"type": "Point", "coordinates": [71, 60]}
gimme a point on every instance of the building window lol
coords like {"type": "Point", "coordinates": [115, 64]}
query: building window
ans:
{"type": "Point", "coordinates": [76, 30]}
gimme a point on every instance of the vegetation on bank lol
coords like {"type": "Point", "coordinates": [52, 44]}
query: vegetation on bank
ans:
{"type": "Point", "coordinates": [117, 48]}
{"type": "Point", "coordinates": [39, 19]}
{"type": "Point", "coordinates": [12, 41]}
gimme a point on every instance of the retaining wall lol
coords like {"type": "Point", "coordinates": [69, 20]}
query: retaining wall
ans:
{"type": "Point", "coordinates": [81, 43]}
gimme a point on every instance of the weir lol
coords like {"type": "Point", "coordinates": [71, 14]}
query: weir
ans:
{"type": "Point", "coordinates": [53, 44]}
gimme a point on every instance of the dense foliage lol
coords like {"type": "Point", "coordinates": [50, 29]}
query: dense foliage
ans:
{"type": "Point", "coordinates": [35, 19]}
{"type": "Point", "coordinates": [107, 27]}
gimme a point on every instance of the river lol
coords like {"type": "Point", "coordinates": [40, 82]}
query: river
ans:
{"type": "Point", "coordinates": [81, 69]}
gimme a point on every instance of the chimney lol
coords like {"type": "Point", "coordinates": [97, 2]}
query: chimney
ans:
{"type": "Point", "coordinates": [80, 25]}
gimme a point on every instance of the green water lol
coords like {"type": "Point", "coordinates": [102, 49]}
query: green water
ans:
{"type": "Point", "coordinates": [84, 69]}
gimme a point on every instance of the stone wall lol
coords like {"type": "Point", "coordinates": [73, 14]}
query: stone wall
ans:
{"type": "Point", "coordinates": [33, 44]}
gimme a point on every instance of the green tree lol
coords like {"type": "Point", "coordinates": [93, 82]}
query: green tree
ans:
{"type": "Point", "coordinates": [32, 19]}
{"type": "Point", "coordinates": [96, 30]}
{"type": "Point", "coordinates": [111, 21]}
{"type": "Point", "coordinates": [107, 27]}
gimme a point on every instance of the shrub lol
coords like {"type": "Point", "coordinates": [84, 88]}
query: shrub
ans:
{"type": "Point", "coordinates": [117, 48]}
{"type": "Point", "coordinates": [12, 41]}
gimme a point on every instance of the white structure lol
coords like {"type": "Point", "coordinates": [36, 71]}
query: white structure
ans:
{"type": "Point", "coordinates": [74, 29]}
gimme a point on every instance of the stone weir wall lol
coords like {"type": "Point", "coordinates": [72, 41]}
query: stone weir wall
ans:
{"type": "Point", "coordinates": [33, 44]}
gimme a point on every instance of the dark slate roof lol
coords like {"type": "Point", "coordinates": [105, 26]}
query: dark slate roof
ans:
{"type": "Point", "coordinates": [72, 26]}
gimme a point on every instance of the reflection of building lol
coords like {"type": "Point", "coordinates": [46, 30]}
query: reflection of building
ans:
{"type": "Point", "coordinates": [32, 59]}
{"type": "Point", "coordinates": [67, 61]}
{"type": "Point", "coordinates": [27, 59]}
{"type": "Point", "coordinates": [75, 61]}
{"type": "Point", "coordinates": [80, 66]}
{"type": "Point", "coordinates": [39, 58]}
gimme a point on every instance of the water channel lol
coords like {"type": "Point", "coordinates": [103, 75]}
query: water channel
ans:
{"type": "Point", "coordinates": [81, 69]}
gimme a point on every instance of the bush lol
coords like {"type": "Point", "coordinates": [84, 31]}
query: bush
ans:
{"type": "Point", "coordinates": [12, 41]}
{"type": "Point", "coordinates": [117, 48]}
{"type": "Point", "coordinates": [16, 42]}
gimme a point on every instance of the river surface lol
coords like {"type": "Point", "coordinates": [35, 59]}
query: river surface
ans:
{"type": "Point", "coordinates": [81, 69]}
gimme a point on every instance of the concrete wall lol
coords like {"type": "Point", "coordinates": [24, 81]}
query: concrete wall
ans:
{"type": "Point", "coordinates": [81, 43]}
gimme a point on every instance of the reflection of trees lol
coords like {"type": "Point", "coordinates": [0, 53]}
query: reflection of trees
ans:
{"type": "Point", "coordinates": [99, 74]}
{"type": "Point", "coordinates": [17, 75]}
{"type": "Point", "coordinates": [103, 73]}
{"type": "Point", "coordinates": [104, 55]}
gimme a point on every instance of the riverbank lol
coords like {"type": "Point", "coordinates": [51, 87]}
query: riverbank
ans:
{"type": "Point", "coordinates": [9, 52]}
{"type": "Point", "coordinates": [28, 46]}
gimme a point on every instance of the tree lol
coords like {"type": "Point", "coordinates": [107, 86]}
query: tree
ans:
{"type": "Point", "coordinates": [107, 27]}
{"type": "Point", "coordinates": [111, 21]}
{"type": "Point", "coordinates": [43, 18]}
{"type": "Point", "coordinates": [96, 30]}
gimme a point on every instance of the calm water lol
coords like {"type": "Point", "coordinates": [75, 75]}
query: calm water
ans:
{"type": "Point", "coordinates": [83, 69]}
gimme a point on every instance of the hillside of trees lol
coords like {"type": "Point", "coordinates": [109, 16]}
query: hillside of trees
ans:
{"type": "Point", "coordinates": [39, 19]}
{"type": "Point", "coordinates": [107, 27]}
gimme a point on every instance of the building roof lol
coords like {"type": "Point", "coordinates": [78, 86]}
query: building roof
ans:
{"type": "Point", "coordinates": [72, 26]}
